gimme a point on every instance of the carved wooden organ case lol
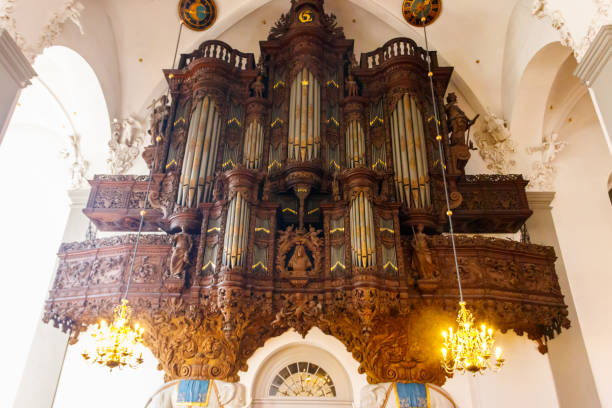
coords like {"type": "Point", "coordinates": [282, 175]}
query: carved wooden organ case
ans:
{"type": "Point", "coordinates": [304, 192]}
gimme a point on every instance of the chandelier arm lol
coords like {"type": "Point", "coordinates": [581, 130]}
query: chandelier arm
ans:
{"type": "Point", "coordinates": [449, 213]}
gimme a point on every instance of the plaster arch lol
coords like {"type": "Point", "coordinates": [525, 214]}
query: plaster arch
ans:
{"type": "Point", "coordinates": [297, 352]}
{"type": "Point", "coordinates": [527, 125]}
{"type": "Point", "coordinates": [73, 83]}
{"type": "Point", "coordinates": [325, 351]}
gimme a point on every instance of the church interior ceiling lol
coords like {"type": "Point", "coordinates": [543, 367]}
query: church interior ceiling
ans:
{"type": "Point", "coordinates": [302, 190]}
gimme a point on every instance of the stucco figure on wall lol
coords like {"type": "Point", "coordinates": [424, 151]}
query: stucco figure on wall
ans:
{"type": "Point", "coordinates": [543, 170]}
{"type": "Point", "coordinates": [127, 139]}
{"type": "Point", "coordinates": [494, 144]}
{"type": "Point", "coordinates": [383, 395]}
{"type": "Point", "coordinates": [79, 166]}
{"type": "Point", "coordinates": [223, 395]}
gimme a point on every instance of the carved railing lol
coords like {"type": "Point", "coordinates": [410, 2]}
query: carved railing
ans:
{"type": "Point", "coordinates": [511, 285]}
{"type": "Point", "coordinates": [219, 50]}
{"type": "Point", "coordinates": [492, 203]}
{"type": "Point", "coordinates": [397, 47]}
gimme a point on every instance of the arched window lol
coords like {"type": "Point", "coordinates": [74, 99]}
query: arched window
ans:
{"type": "Point", "coordinates": [302, 379]}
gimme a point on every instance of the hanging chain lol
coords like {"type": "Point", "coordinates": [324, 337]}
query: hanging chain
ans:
{"type": "Point", "coordinates": [146, 200]}
{"type": "Point", "coordinates": [143, 212]}
{"type": "Point", "coordinates": [449, 212]}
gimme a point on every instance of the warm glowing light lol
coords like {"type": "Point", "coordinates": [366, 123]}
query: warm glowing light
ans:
{"type": "Point", "coordinates": [116, 344]}
{"type": "Point", "coordinates": [469, 349]}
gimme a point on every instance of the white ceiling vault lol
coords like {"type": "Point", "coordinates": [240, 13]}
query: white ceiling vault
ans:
{"type": "Point", "coordinates": [128, 43]}
{"type": "Point", "coordinates": [466, 32]}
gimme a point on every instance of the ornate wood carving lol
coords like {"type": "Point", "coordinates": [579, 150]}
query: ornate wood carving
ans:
{"type": "Point", "coordinates": [291, 231]}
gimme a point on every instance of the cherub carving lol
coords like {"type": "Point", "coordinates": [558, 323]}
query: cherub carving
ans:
{"type": "Point", "coordinates": [179, 260]}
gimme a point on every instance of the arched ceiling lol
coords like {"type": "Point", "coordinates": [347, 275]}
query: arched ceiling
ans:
{"type": "Point", "coordinates": [467, 31]}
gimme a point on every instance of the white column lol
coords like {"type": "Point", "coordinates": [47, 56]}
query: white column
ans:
{"type": "Point", "coordinates": [46, 357]}
{"type": "Point", "coordinates": [595, 70]}
{"type": "Point", "coordinates": [567, 353]}
{"type": "Point", "coordinates": [15, 74]}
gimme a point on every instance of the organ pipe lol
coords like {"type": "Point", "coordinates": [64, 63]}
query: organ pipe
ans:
{"type": "Point", "coordinates": [409, 154]}
{"type": "Point", "coordinates": [200, 154]}
{"type": "Point", "coordinates": [304, 138]}
{"type": "Point", "coordinates": [253, 146]}
{"type": "Point", "coordinates": [236, 232]}
{"type": "Point", "coordinates": [355, 145]}
{"type": "Point", "coordinates": [363, 244]}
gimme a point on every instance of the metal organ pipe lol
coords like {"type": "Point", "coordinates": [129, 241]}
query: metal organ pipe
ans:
{"type": "Point", "coordinates": [236, 232]}
{"type": "Point", "coordinates": [200, 154]}
{"type": "Point", "coordinates": [253, 146]}
{"type": "Point", "coordinates": [355, 145]}
{"type": "Point", "coordinates": [409, 154]}
{"type": "Point", "coordinates": [363, 241]}
{"type": "Point", "coordinates": [304, 138]}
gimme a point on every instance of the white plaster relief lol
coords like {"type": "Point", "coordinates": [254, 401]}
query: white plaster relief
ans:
{"type": "Point", "coordinates": [79, 166]}
{"type": "Point", "coordinates": [495, 146]}
{"type": "Point", "coordinates": [543, 175]}
{"type": "Point", "coordinates": [70, 10]}
{"type": "Point", "coordinates": [542, 9]}
{"type": "Point", "coordinates": [127, 139]}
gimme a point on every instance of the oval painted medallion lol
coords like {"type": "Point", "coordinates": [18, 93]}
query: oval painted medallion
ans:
{"type": "Point", "coordinates": [415, 10]}
{"type": "Point", "coordinates": [198, 15]}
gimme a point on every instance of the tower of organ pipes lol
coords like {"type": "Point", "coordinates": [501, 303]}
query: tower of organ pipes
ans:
{"type": "Point", "coordinates": [304, 141]}
{"type": "Point", "coordinates": [200, 158]}
{"type": "Point", "coordinates": [305, 190]}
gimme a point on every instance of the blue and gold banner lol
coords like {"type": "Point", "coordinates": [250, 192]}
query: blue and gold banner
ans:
{"type": "Point", "coordinates": [193, 393]}
{"type": "Point", "coordinates": [412, 395]}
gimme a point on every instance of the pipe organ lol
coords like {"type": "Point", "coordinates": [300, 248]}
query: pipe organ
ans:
{"type": "Point", "coordinates": [306, 191]}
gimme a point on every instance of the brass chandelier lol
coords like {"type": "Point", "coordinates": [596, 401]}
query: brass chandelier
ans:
{"type": "Point", "coordinates": [116, 344]}
{"type": "Point", "coordinates": [465, 349]}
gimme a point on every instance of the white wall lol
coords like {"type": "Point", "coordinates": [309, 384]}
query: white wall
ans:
{"type": "Point", "coordinates": [583, 219]}
{"type": "Point", "coordinates": [525, 380]}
